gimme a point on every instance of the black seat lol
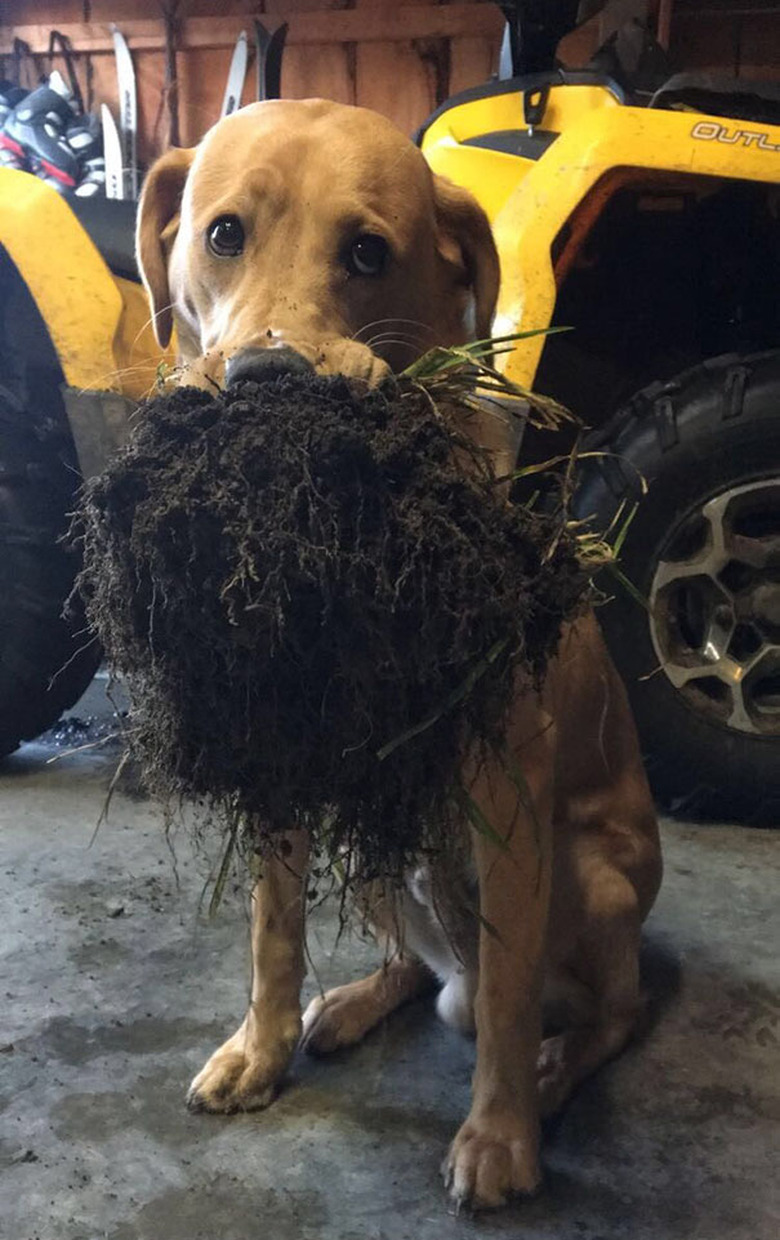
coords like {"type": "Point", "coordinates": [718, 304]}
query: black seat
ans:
{"type": "Point", "coordinates": [111, 225]}
{"type": "Point", "coordinates": [718, 95]}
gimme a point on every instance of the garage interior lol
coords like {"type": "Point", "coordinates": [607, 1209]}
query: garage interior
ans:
{"type": "Point", "coordinates": [117, 985]}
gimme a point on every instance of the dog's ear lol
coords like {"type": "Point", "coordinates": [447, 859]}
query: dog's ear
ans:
{"type": "Point", "coordinates": [466, 241]}
{"type": "Point", "coordinates": [158, 222]}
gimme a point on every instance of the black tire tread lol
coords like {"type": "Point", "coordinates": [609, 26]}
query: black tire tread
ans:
{"type": "Point", "coordinates": [712, 426]}
{"type": "Point", "coordinates": [660, 406]}
{"type": "Point", "coordinates": [46, 661]}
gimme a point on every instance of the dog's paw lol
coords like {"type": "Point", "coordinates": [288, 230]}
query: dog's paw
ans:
{"type": "Point", "coordinates": [338, 1018]}
{"type": "Point", "coordinates": [244, 1074]}
{"type": "Point", "coordinates": [490, 1161]}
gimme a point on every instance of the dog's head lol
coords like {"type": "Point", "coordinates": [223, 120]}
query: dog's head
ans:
{"type": "Point", "coordinates": [316, 229]}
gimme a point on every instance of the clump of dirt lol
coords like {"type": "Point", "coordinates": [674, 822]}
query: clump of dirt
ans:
{"type": "Point", "coordinates": [291, 577]}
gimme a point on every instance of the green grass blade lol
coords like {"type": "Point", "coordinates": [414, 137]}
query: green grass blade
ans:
{"type": "Point", "coordinates": [458, 694]}
{"type": "Point", "coordinates": [629, 586]}
{"type": "Point", "coordinates": [478, 820]}
{"type": "Point", "coordinates": [515, 773]}
{"type": "Point", "coordinates": [621, 534]}
{"type": "Point", "coordinates": [224, 867]}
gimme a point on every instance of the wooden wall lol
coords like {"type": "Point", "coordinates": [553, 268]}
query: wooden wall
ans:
{"type": "Point", "coordinates": [401, 57]}
{"type": "Point", "coordinates": [740, 38]}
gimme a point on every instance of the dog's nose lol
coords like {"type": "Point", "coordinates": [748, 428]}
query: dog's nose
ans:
{"type": "Point", "coordinates": [262, 364]}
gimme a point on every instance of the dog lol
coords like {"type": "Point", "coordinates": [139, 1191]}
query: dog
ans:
{"type": "Point", "coordinates": [309, 234]}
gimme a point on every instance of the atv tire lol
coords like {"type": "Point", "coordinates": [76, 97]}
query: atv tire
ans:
{"type": "Point", "coordinates": [46, 661]}
{"type": "Point", "coordinates": [702, 664]}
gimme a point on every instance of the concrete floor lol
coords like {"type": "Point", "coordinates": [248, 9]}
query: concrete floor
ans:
{"type": "Point", "coordinates": [115, 991]}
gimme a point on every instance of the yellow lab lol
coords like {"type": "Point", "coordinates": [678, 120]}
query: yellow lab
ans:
{"type": "Point", "coordinates": [309, 234]}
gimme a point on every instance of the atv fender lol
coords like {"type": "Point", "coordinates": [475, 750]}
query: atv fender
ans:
{"type": "Point", "coordinates": [76, 294]}
{"type": "Point", "coordinates": [536, 224]}
{"type": "Point", "coordinates": [99, 323]}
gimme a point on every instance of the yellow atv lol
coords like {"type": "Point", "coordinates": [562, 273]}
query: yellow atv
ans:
{"type": "Point", "coordinates": [76, 354]}
{"type": "Point", "coordinates": [649, 225]}
{"type": "Point", "coordinates": [647, 222]}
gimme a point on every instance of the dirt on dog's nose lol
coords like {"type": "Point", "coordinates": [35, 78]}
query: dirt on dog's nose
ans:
{"type": "Point", "coordinates": [262, 364]}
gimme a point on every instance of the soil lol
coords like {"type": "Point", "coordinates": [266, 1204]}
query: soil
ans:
{"type": "Point", "coordinates": [291, 577]}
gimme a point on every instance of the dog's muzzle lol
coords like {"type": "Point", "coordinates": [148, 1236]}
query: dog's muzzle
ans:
{"type": "Point", "coordinates": [262, 364]}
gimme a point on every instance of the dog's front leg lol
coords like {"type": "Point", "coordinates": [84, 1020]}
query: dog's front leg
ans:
{"type": "Point", "coordinates": [496, 1151]}
{"type": "Point", "coordinates": [245, 1073]}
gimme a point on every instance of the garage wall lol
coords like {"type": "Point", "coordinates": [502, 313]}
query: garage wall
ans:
{"type": "Point", "coordinates": [401, 57]}
{"type": "Point", "coordinates": [740, 38]}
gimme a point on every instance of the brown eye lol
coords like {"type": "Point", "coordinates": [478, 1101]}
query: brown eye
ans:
{"type": "Point", "coordinates": [225, 236]}
{"type": "Point", "coordinates": [367, 255]}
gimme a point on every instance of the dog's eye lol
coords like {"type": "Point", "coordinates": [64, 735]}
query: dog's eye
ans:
{"type": "Point", "coordinates": [367, 255]}
{"type": "Point", "coordinates": [225, 236]}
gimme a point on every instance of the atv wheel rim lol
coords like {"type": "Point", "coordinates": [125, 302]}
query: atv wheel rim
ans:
{"type": "Point", "coordinates": [715, 608]}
